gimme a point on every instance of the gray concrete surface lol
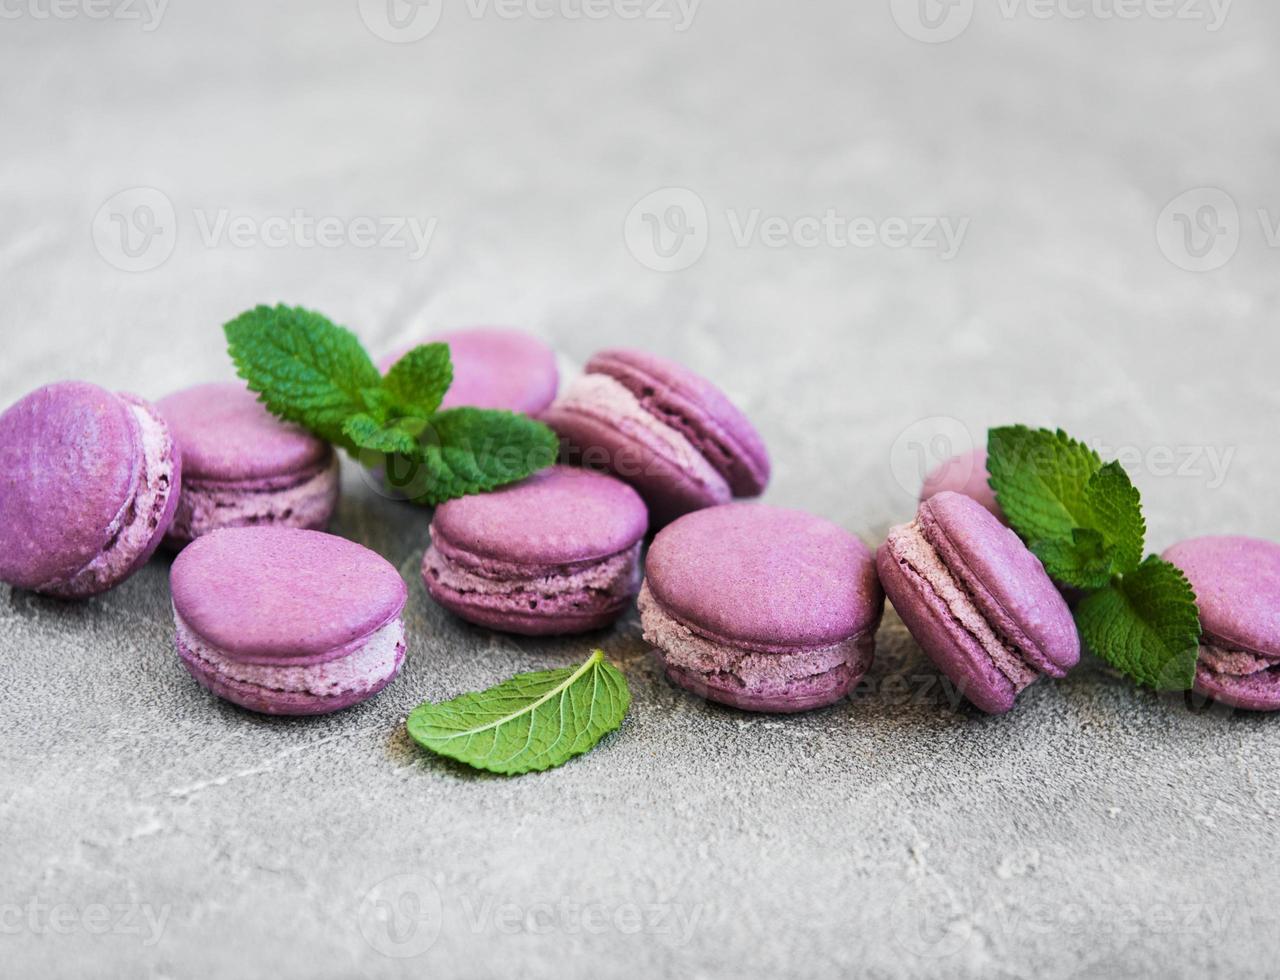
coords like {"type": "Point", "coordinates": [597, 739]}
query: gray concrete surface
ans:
{"type": "Point", "coordinates": [151, 831]}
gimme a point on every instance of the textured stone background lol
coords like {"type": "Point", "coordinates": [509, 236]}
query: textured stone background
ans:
{"type": "Point", "coordinates": [1096, 830]}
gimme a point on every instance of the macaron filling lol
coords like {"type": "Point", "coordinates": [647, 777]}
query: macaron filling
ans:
{"type": "Point", "coordinates": [361, 667]}
{"type": "Point", "coordinates": [608, 402]}
{"type": "Point", "coordinates": [752, 670]}
{"type": "Point", "coordinates": [593, 586]}
{"type": "Point", "coordinates": [949, 593]}
{"type": "Point", "coordinates": [303, 500]}
{"type": "Point", "coordinates": [134, 530]}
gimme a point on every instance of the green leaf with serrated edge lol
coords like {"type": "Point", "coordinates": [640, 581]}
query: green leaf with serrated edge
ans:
{"type": "Point", "coordinates": [472, 450]}
{"type": "Point", "coordinates": [1116, 512]}
{"type": "Point", "coordinates": [1145, 625]}
{"type": "Point", "coordinates": [1084, 561]}
{"type": "Point", "coordinates": [416, 384]}
{"type": "Point", "coordinates": [1039, 477]}
{"type": "Point", "coordinates": [307, 369]}
{"type": "Point", "coordinates": [366, 432]}
{"type": "Point", "coordinates": [529, 723]}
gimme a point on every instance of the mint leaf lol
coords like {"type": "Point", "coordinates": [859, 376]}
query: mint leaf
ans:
{"type": "Point", "coordinates": [471, 450]}
{"type": "Point", "coordinates": [529, 723]}
{"type": "Point", "coordinates": [1083, 561]}
{"type": "Point", "coordinates": [366, 432]}
{"type": "Point", "coordinates": [1145, 625]}
{"type": "Point", "coordinates": [1040, 477]}
{"type": "Point", "coordinates": [416, 383]}
{"type": "Point", "coordinates": [307, 369]}
{"type": "Point", "coordinates": [1116, 512]}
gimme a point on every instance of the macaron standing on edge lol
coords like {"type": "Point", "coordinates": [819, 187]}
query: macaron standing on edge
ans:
{"type": "Point", "coordinates": [977, 601]}
{"type": "Point", "coordinates": [761, 608]}
{"type": "Point", "coordinates": [1237, 585]}
{"type": "Point", "coordinates": [88, 484]}
{"type": "Point", "coordinates": [495, 367]}
{"type": "Point", "coordinates": [558, 552]}
{"type": "Point", "coordinates": [242, 466]}
{"type": "Point", "coordinates": [670, 433]}
{"type": "Point", "coordinates": [287, 621]}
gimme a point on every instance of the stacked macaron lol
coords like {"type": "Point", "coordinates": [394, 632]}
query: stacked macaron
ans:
{"type": "Point", "coordinates": [558, 552]}
{"type": "Point", "coordinates": [761, 608]}
{"type": "Point", "coordinates": [242, 466]}
{"type": "Point", "coordinates": [1237, 586]}
{"type": "Point", "coordinates": [88, 485]}
{"type": "Point", "coordinates": [287, 621]}
{"type": "Point", "coordinates": [670, 433]}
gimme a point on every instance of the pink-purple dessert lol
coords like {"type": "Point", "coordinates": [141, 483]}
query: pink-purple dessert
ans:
{"type": "Point", "coordinates": [670, 433]}
{"type": "Point", "coordinates": [495, 367]}
{"type": "Point", "coordinates": [88, 484]}
{"type": "Point", "coordinates": [558, 552]}
{"type": "Point", "coordinates": [977, 601]}
{"type": "Point", "coordinates": [1237, 585]}
{"type": "Point", "coordinates": [966, 474]}
{"type": "Point", "coordinates": [287, 621]}
{"type": "Point", "coordinates": [761, 608]}
{"type": "Point", "coordinates": [242, 466]}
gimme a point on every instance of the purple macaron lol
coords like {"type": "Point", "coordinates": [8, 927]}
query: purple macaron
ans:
{"type": "Point", "coordinates": [977, 601]}
{"type": "Point", "coordinates": [668, 432]}
{"type": "Point", "coordinates": [287, 621]}
{"type": "Point", "coordinates": [966, 474]}
{"type": "Point", "coordinates": [761, 608]}
{"type": "Point", "coordinates": [242, 466]}
{"type": "Point", "coordinates": [495, 367]}
{"type": "Point", "coordinates": [1237, 586]}
{"type": "Point", "coordinates": [88, 484]}
{"type": "Point", "coordinates": [558, 552]}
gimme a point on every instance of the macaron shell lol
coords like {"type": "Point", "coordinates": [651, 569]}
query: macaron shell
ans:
{"type": "Point", "coordinates": [495, 367]}
{"type": "Point", "coordinates": [70, 459]}
{"type": "Point", "coordinates": [951, 648]}
{"type": "Point", "coordinates": [764, 577]}
{"type": "Point", "coordinates": [965, 474]}
{"type": "Point", "coordinates": [669, 488]}
{"type": "Point", "coordinates": [1007, 582]}
{"type": "Point", "coordinates": [226, 434]}
{"type": "Point", "coordinates": [559, 515]}
{"type": "Point", "coordinates": [1253, 692]}
{"type": "Point", "coordinates": [696, 408]}
{"type": "Point", "coordinates": [1237, 584]}
{"type": "Point", "coordinates": [272, 592]}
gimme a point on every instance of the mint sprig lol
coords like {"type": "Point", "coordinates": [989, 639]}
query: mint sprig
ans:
{"type": "Point", "coordinates": [1083, 520]}
{"type": "Point", "coordinates": [316, 374]}
{"type": "Point", "coordinates": [529, 723]}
